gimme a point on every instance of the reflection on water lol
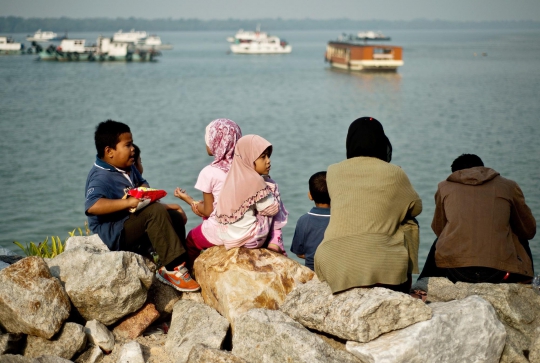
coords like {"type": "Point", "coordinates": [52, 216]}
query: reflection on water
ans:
{"type": "Point", "coordinates": [443, 102]}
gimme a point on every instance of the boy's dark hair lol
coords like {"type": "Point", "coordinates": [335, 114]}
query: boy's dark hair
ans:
{"type": "Point", "coordinates": [466, 161]}
{"type": "Point", "coordinates": [136, 153]}
{"type": "Point", "coordinates": [108, 134]}
{"type": "Point", "coordinates": [318, 188]}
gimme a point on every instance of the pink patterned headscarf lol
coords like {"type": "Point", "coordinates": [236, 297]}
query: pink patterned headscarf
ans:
{"type": "Point", "coordinates": [243, 186]}
{"type": "Point", "coordinates": [221, 137]}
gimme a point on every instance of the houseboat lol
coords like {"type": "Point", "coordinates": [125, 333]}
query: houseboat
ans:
{"type": "Point", "coordinates": [355, 54]}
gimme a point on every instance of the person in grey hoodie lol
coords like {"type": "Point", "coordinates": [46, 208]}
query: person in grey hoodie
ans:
{"type": "Point", "coordinates": [482, 225]}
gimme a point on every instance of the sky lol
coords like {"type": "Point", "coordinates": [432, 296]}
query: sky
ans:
{"type": "Point", "coordinates": [453, 10]}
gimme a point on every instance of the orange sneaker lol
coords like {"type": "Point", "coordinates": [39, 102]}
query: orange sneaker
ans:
{"type": "Point", "coordinates": [180, 279]}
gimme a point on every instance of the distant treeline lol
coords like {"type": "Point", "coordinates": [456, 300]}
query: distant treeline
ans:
{"type": "Point", "coordinates": [12, 24]}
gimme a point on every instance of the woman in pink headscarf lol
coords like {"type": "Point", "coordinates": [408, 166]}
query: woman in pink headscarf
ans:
{"type": "Point", "coordinates": [249, 210]}
{"type": "Point", "coordinates": [221, 137]}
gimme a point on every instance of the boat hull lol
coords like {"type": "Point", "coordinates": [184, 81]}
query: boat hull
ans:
{"type": "Point", "coordinates": [369, 66]}
{"type": "Point", "coordinates": [242, 49]}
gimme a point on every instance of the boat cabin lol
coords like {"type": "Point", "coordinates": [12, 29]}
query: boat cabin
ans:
{"type": "Point", "coordinates": [364, 57]}
{"type": "Point", "coordinates": [72, 46]}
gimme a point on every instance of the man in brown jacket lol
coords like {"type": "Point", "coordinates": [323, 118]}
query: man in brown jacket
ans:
{"type": "Point", "coordinates": [483, 226]}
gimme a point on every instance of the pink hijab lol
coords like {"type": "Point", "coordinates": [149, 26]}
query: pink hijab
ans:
{"type": "Point", "coordinates": [221, 137]}
{"type": "Point", "coordinates": [243, 186]}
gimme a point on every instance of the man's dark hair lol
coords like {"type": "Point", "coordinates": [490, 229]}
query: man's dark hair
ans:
{"type": "Point", "coordinates": [108, 134]}
{"type": "Point", "coordinates": [318, 188]}
{"type": "Point", "coordinates": [466, 161]}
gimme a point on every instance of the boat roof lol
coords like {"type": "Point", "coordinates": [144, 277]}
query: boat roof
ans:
{"type": "Point", "coordinates": [360, 44]}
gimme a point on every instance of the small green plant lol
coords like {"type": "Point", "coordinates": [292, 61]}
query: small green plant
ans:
{"type": "Point", "coordinates": [55, 248]}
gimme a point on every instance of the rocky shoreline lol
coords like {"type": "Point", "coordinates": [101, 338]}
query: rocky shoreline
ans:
{"type": "Point", "coordinates": [91, 305]}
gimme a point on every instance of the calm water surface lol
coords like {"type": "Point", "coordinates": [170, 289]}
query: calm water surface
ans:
{"type": "Point", "coordinates": [443, 102]}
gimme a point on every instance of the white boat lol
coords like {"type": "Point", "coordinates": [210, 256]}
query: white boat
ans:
{"type": "Point", "coordinates": [243, 36]}
{"type": "Point", "coordinates": [267, 45]}
{"type": "Point", "coordinates": [42, 37]}
{"type": "Point", "coordinates": [74, 50]}
{"type": "Point", "coordinates": [108, 49]}
{"type": "Point", "coordinates": [371, 35]}
{"type": "Point", "coordinates": [9, 46]}
{"type": "Point", "coordinates": [130, 37]}
{"type": "Point", "coordinates": [153, 42]}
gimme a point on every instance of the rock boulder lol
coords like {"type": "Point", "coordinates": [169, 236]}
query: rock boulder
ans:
{"type": "Point", "coordinates": [103, 285]}
{"type": "Point", "coordinates": [460, 331]}
{"type": "Point", "coordinates": [32, 301]}
{"type": "Point", "coordinates": [269, 336]}
{"type": "Point", "coordinates": [516, 305]}
{"type": "Point", "coordinates": [203, 354]}
{"type": "Point", "coordinates": [70, 340]}
{"type": "Point", "coordinates": [357, 314]}
{"type": "Point", "coordinates": [194, 323]}
{"type": "Point", "coordinates": [237, 280]}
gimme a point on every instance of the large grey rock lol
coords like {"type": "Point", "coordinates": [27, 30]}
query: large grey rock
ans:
{"type": "Point", "coordinates": [70, 340]}
{"type": "Point", "coordinates": [534, 355]}
{"type": "Point", "coordinates": [92, 243]}
{"type": "Point", "coordinates": [131, 353]}
{"type": "Point", "coordinates": [13, 358]}
{"type": "Point", "coordinates": [194, 323]}
{"type": "Point", "coordinates": [10, 343]}
{"type": "Point", "coordinates": [269, 336]}
{"type": "Point", "coordinates": [203, 354]}
{"type": "Point", "coordinates": [357, 314]}
{"type": "Point", "coordinates": [459, 331]}
{"type": "Point", "coordinates": [91, 355]}
{"type": "Point", "coordinates": [31, 300]}
{"type": "Point", "coordinates": [105, 286]}
{"type": "Point", "coordinates": [516, 305]}
{"type": "Point", "coordinates": [51, 359]}
{"type": "Point", "coordinates": [99, 335]}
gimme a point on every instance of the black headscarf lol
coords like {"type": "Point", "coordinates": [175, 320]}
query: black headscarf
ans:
{"type": "Point", "coordinates": [366, 138]}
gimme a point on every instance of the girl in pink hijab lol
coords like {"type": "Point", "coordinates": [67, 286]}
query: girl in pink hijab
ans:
{"type": "Point", "coordinates": [221, 137]}
{"type": "Point", "coordinates": [249, 210]}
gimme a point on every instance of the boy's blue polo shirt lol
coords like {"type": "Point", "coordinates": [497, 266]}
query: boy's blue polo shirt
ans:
{"type": "Point", "coordinates": [309, 233]}
{"type": "Point", "coordinates": [106, 181]}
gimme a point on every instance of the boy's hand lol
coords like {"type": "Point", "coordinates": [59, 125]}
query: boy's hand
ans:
{"type": "Point", "coordinates": [132, 202]}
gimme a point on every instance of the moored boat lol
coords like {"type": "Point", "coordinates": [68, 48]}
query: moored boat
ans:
{"type": "Point", "coordinates": [129, 37]}
{"type": "Point", "coordinates": [355, 54]}
{"type": "Point", "coordinates": [43, 37]}
{"type": "Point", "coordinates": [9, 46]}
{"type": "Point", "coordinates": [74, 50]}
{"type": "Point", "coordinates": [268, 45]}
{"type": "Point", "coordinates": [247, 36]}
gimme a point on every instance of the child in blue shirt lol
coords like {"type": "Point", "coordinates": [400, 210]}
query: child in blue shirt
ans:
{"type": "Point", "coordinates": [107, 207]}
{"type": "Point", "coordinates": [310, 227]}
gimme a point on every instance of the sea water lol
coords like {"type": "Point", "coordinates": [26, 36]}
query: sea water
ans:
{"type": "Point", "coordinates": [460, 91]}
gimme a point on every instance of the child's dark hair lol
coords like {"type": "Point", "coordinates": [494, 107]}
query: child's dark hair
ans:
{"type": "Point", "coordinates": [267, 151]}
{"type": "Point", "coordinates": [136, 153]}
{"type": "Point", "coordinates": [466, 161]}
{"type": "Point", "coordinates": [318, 188]}
{"type": "Point", "coordinates": [108, 134]}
